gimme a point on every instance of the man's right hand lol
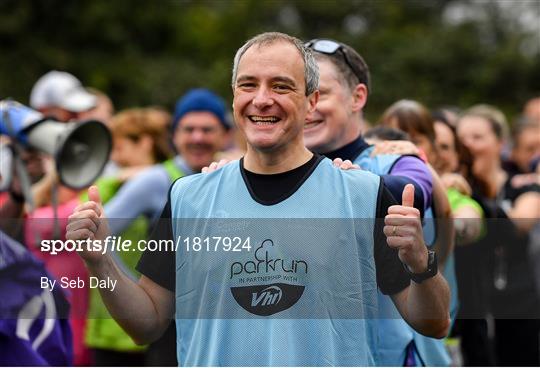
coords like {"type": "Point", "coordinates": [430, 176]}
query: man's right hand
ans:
{"type": "Point", "coordinates": [88, 221]}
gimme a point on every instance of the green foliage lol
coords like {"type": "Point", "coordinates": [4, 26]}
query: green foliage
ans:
{"type": "Point", "coordinates": [151, 52]}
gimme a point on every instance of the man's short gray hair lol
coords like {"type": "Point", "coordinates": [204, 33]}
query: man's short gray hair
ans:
{"type": "Point", "coordinates": [311, 70]}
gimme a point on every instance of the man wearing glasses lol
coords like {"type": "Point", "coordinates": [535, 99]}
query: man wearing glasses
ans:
{"type": "Point", "coordinates": [303, 292]}
{"type": "Point", "coordinates": [334, 130]}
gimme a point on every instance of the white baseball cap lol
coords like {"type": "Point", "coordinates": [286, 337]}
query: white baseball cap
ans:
{"type": "Point", "coordinates": [61, 89]}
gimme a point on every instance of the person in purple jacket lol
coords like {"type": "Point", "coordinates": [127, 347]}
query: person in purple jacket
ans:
{"type": "Point", "coordinates": [34, 329]}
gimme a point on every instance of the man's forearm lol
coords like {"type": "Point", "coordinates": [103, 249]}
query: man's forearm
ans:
{"type": "Point", "coordinates": [428, 306]}
{"type": "Point", "coordinates": [130, 304]}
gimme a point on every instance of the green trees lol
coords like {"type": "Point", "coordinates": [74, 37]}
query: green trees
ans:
{"type": "Point", "coordinates": [150, 52]}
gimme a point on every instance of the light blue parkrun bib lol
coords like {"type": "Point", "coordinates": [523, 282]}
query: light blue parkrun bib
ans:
{"type": "Point", "coordinates": [394, 333]}
{"type": "Point", "coordinates": [276, 285]}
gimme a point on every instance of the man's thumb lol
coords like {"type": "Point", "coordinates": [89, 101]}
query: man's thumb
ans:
{"type": "Point", "coordinates": [93, 194]}
{"type": "Point", "coordinates": [407, 198]}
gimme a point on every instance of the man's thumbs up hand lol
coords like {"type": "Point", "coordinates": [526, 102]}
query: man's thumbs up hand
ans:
{"type": "Point", "coordinates": [88, 221]}
{"type": "Point", "coordinates": [407, 197]}
{"type": "Point", "coordinates": [93, 195]}
{"type": "Point", "coordinates": [403, 230]}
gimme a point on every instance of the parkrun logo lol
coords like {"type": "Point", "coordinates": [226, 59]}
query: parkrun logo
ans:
{"type": "Point", "coordinates": [269, 285]}
{"type": "Point", "coordinates": [266, 264]}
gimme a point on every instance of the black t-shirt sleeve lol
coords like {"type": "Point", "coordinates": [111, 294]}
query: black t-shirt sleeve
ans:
{"type": "Point", "coordinates": [159, 266]}
{"type": "Point", "coordinates": [396, 183]}
{"type": "Point", "coordinates": [391, 275]}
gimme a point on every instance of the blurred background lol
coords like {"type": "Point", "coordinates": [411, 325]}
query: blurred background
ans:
{"type": "Point", "coordinates": [440, 52]}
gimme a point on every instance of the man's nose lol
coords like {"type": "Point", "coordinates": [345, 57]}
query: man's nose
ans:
{"type": "Point", "coordinates": [197, 135]}
{"type": "Point", "coordinates": [263, 98]}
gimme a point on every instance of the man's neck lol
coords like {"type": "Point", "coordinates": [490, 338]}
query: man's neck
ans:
{"type": "Point", "coordinates": [276, 161]}
{"type": "Point", "coordinates": [348, 151]}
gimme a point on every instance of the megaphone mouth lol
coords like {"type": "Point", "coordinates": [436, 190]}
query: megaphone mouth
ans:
{"type": "Point", "coordinates": [83, 154]}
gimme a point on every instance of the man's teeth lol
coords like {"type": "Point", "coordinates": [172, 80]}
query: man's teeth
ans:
{"type": "Point", "coordinates": [264, 120]}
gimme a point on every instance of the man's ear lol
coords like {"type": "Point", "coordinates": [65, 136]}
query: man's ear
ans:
{"type": "Point", "coordinates": [312, 101]}
{"type": "Point", "coordinates": [359, 97]}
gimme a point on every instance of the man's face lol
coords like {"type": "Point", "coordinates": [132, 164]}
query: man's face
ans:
{"type": "Point", "coordinates": [331, 126]}
{"type": "Point", "coordinates": [60, 114]}
{"type": "Point", "coordinates": [198, 137]}
{"type": "Point", "coordinates": [270, 104]}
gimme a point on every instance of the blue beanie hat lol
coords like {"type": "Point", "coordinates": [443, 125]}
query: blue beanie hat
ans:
{"type": "Point", "coordinates": [200, 99]}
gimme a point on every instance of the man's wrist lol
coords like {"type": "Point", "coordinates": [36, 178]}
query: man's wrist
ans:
{"type": "Point", "coordinates": [430, 269]}
{"type": "Point", "coordinates": [99, 265]}
{"type": "Point", "coordinates": [420, 266]}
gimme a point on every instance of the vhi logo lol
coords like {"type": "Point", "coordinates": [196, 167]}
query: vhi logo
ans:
{"type": "Point", "coordinates": [269, 283]}
{"type": "Point", "coordinates": [269, 296]}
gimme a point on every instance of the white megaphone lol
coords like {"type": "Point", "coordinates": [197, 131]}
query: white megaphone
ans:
{"type": "Point", "coordinates": [80, 150]}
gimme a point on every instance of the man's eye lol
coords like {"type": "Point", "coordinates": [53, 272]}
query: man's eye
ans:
{"type": "Point", "coordinates": [246, 85]}
{"type": "Point", "coordinates": [281, 87]}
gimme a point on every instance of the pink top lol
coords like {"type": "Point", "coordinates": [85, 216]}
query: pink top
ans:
{"type": "Point", "coordinates": [40, 226]}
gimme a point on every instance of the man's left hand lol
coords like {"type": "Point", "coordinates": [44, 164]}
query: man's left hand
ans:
{"type": "Point", "coordinates": [403, 230]}
{"type": "Point", "coordinates": [345, 165]}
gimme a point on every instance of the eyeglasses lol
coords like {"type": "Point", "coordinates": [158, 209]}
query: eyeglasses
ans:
{"type": "Point", "coordinates": [330, 47]}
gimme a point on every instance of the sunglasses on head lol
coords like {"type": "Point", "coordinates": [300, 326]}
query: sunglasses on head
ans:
{"type": "Point", "coordinates": [330, 47]}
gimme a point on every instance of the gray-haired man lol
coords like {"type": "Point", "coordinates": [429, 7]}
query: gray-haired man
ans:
{"type": "Point", "coordinates": [298, 292]}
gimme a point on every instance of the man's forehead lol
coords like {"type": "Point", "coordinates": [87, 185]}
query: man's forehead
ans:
{"type": "Point", "coordinates": [278, 53]}
{"type": "Point", "coordinates": [278, 61]}
{"type": "Point", "coordinates": [328, 70]}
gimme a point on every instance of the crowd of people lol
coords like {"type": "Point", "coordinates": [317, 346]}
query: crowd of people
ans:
{"type": "Point", "coordinates": [447, 274]}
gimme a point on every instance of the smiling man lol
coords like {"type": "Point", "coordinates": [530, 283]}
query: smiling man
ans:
{"type": "Point", "coordinates": [200, 129]}
{"type": "Point", "coordinates": [280, 256]}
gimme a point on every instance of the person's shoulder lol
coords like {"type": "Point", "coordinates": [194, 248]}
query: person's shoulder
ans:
{"type": "Point", "coordinates": [205, 180]}
{"type": "Point", "coordinates": [153, 174]}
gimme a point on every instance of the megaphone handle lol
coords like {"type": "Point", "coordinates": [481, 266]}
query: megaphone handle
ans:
{"type": "Point", "coordinates": [23, 177]}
